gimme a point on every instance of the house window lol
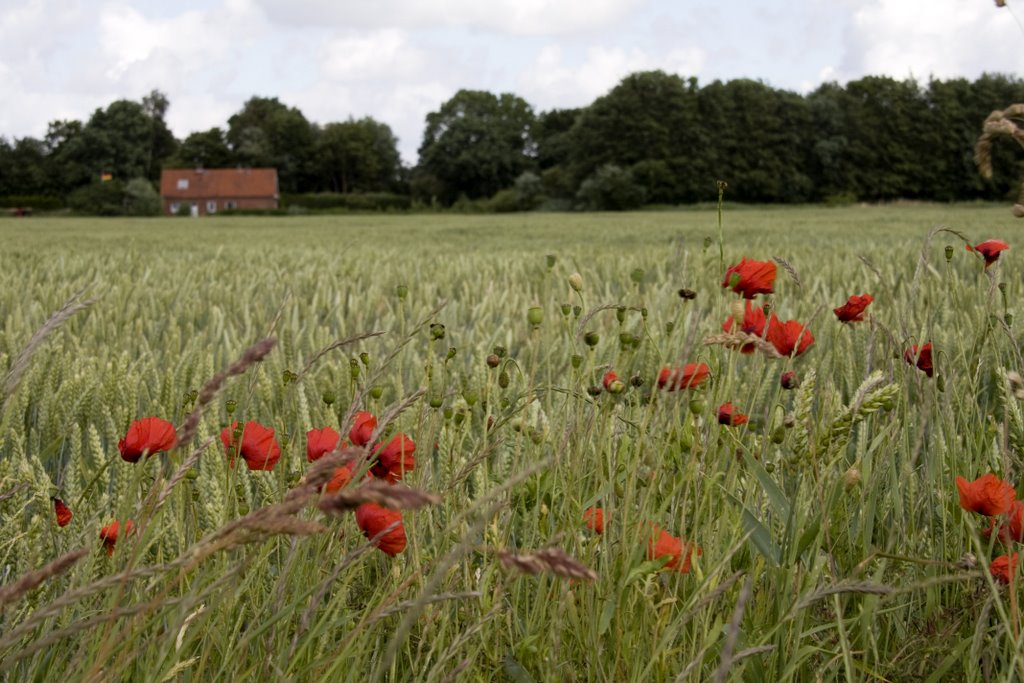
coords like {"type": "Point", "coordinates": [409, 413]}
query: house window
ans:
{"type": "Point", "coordinates": [230, 204]}
{"type": "Point", "coordinates": [175, 207]}
{"type": "Point", "coordinates": [182, 183]}
{"type": "Point", "coordinates": [211, 206]}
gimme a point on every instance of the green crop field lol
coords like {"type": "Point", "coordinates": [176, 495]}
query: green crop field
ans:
{"type": "Point", "coordinates": [823, 539]}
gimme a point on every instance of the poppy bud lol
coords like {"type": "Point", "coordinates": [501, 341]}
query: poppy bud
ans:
{"type": "Point", "coordinates": [696, 406]}
{"type": "Point", "coordinates": [1002, 288]}
{"type": "Point", "coordinates": [499, 351]}
{"type": "Point", "coordinates": [402, 292]}
{"type": "Point", "coordinates": [469, 396]}
{"type": "Point", "coordinates": [788, 380]}
{"type": "Point", "coordinates": [329, 397]}
{"type": "Point", "coordinates": [451, 353]}
{"type": "Point", "coordinates": [493, 361]}
{"type": "Point", "coordinates": [436, 331]}
{"type": "Point", "coordinates": [459, 418]}
{"type": "Point", "coordinates": [778, 435]}
{"type": "Point", "coordinates": [616, 386]}
{"type": "Point", "coordinates": [594, 390]}
{"type": "Point", "coordinates": [353, 367]}
{"type": "Point", "coordinates": [535, 315]}
{"type": "Point", "coordinates": [364, 358]}
{"type": "Point", "coordinates": [503, 380]}
{"type": "Point", "coordinates": [576, 361]}
{"type": "Point", "coordinates": [577, 310]}
{"type": "Point", "coordinates": [940, 383]}
{"type": "Point", "coordinates": [636, 381]}
{"type": "Point", "coordinates": [707, 243]}
{"type": "Point", "coordinates": [591, 339]}
{"type": "Point", "coordinates": [566, 310]}
{"type": "Point", "coordinates": [620, 314]}
{"type": "Point", "coordinates": [625, 339]}
{"type": "Point", "coordinates": [576, 282]}
{"type": "Point", "coordinates": [949, 253]}
{"type": "Point", "coordinates": [376, 391]}
{"type": "Point", "coordinates": [551, 261]}
{"type": "Point", "coordinates": [769, 467]}
{"type": "Point", "coordinates": [686, 439]}
{"type": "Point", "coordinates": [637, 275]}
{"type": "Point", "coordinates": [436, 401]}
{"type": "Point", "coordinates": [669, 326]}
{"type": "Point", "coordinates": [229, 405]}
{"type": "Point", "coordinates": [687, 294]}
{"type": "Point", "coordinates": [851, 478]}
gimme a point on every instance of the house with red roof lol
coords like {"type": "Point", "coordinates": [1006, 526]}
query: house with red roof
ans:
{"type": "Point", "coordinates": [205, 191]}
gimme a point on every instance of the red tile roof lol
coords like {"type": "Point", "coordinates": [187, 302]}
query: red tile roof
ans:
{"type": "Point", "coordinates": [230, 183]}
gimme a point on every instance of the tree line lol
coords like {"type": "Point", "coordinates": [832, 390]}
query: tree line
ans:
{"type": "Point", "coordinates": [654, 138]}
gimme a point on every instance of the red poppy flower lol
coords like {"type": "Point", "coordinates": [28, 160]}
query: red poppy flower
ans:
{"type": "Point", "coordinates": [686, 377]}
{"type": "Point", "coordinates": [660, 543]}
{"type": "Point", "coordinates": [788, 380]}
{"type": "Point", "coordinates": [922, 357]}
{"type": "Point", "coordinates": [62, 511]}
{"type": "Point", "coordinates": [373, 519]}
{"type": "Point", "coordinates": [110, 532]}
{"type": "Point", "coordinates": [853, 310]}
{"type": "Point", "coordinates": [789, 337]}
{"type": "Point", "coordinates": [750, 278]}
{"type": "Point", "coordinates": [342, 476]}
{"type": "Point", "coordinates": [987, 495]}
{"type": "Point", "coordinates": [608, 378]}
{"type": "Point", "coordinates": [989, 250]}
{"type": "Point", "coordinates": [147, 436]}
{"type": "Point", "coordinates": [1004, 567]}
{"type": "Point", "coordinates": [320, 442]}
{"type": "Point", "coordinates": [594, 519]}
{"type": "Point", "coordinates": [258, 445]}
{"type": "Point", "coordinates": [1011, 527]}
{"type": "Point", "coordinates": [753, 323]}
{"type": "Point", "coordinates": [394, 459]}
{"type": "Point", "coordinates": [727, 415]}
{"type": "Point", "coordinates": [362, 428]}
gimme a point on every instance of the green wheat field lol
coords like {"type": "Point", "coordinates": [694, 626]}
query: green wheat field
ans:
{"type": "Point", "coordinates": [832, 541]}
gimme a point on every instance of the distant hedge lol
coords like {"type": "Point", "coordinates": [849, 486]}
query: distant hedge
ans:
{"type": "Point", "coordinates": [33, 201]}
{"type": "Point", "coordinates": [353, 201]}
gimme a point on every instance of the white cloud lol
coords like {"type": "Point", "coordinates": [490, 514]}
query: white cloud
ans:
{"type": "Point", "coordinates": [552, 82]}
{"type": "Point", "coordinates": [515, 17]}
{"type": "Point", "coordinates": [371, 56]}
{"type": "Point", "coordinates": [941, 38]}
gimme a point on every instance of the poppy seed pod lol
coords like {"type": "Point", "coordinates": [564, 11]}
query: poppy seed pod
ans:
{"type": "Point", "coordinates": [402, 291]}
{"type": "Point", "coordinates": [576, 282]}
{"type": "Point", "coordinates": [353, 368]}
{"type": "Point", "coordinates": [535, 316]}
{"type": "Point", "coordinates": [591, 339]}
{"type": "Point", "coordinates": [637, 275]}
{"type": "Point", "coordinates": [499, 351]}
{"type": "Point", "coordinates": [469, 396]}
{"type": "Point", "coordinates": [550, 261]}
{"type": "Point", "coordinates": [687, 294]}
{"type": "Point", "coordinates": [669, 327]}
{"type": "Point", "coordinates": [576, 361]}
{"type": "Point", "coordinates": [436, 402]}
{"type": "Point", "coordinates": [707, 243]}
{"type": "Point", "coordinates": [364, 358]}
{"type": "Point", "coordinates": [620, 314]}
{"type": "Point", "coordinates": [376, 391]}
{"type": "Point", "coordinates": [577, 310]}
{"type": "Point", "coordinates": [329, 397]}
{"type": "Point", "coordinates": [451, 353]}
{"type": "Point", "coordinates": [436, 331]}
{"type": "Point", "coordinates": [229, 405]}
{"type": "Point", "coordinates": [949, 253]}
{"type": "Point", "coordinates": [566, 310]}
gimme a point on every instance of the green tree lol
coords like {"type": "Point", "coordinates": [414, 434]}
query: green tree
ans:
{"type": "Point", "coordinates": [208, 148]}
{"type": "Point", "coordinates": [476, 144]}
{"type": "Point", "coordinates": [357, 156]}
{"type": "Point", "coordinates": [268, 133]}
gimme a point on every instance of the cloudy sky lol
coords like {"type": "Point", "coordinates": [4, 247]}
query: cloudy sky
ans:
{"type": "Point", "coordinates": [397, 60]}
